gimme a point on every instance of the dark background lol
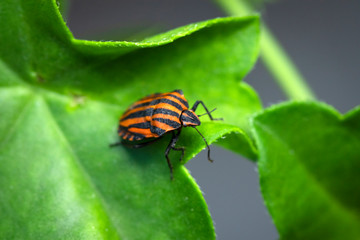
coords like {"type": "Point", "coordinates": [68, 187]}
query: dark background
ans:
{"type": "Point", "coordinates": [321, 36]}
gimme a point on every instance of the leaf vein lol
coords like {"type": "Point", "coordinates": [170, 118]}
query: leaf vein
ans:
{"type": "Point", "coordinates": [82, 169]}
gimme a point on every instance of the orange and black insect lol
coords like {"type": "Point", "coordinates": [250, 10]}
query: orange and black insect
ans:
{"type": "Point", "coordinates": [151, 117]}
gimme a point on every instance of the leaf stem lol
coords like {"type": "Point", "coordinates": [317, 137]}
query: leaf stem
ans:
{"type": "Point", "coordinates": [274, 57]}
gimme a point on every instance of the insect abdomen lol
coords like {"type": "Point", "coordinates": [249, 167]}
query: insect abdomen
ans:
{"type": "Point", "coordinates": [152, 116]}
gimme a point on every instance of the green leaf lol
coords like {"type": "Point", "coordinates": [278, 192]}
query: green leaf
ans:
{"type": "Point", "coordinates": [62, 98]}
{"type": "Point", "coordinates": [309, 169]}
{"type": "Point", "coordinates": [63, 6]}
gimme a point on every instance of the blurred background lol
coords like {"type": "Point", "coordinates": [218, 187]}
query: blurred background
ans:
{"type": "Point", "coordinates": [321, 36]}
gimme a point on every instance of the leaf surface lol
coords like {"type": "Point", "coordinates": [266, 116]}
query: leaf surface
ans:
{"type": "Point", "coordinates": [62, 98]}
{"type": "Point", "coordinates": [309, 169]}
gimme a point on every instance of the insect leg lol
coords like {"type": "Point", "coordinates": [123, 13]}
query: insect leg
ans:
{"type": "Point", "coordinates": [196, 104]}
{"type": "Point", "coordinates": [115, 144]}
{"type": "Point", "coordinates": [140, 145]}
{"type": "Point", "coordinates": [182, 149]}
{"type": "Point", "coordinates": [171, 145]}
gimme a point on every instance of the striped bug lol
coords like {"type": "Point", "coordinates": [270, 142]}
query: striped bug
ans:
{"type": "Point", "coordinates": [151, 117]}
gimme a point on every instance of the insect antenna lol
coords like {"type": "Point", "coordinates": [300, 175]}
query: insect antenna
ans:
{"type": "Point", "coordinates": [207, 113]}
{"type": "Point", "coordinates": [207, 145]}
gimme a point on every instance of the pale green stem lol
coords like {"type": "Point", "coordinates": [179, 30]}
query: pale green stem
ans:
{"type": "Point", "coordinates": [274, 57]}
